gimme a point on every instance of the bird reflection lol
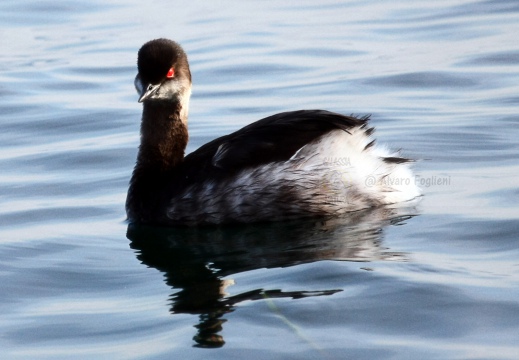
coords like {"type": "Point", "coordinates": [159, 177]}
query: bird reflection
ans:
{"type": "Point", "coordinates": [198, 261]}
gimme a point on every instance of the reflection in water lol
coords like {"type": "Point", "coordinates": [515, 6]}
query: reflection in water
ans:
{"type": "Point", "coordinates": [196, 260]}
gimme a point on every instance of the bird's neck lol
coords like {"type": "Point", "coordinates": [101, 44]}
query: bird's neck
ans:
{"type": "Point", "coordinates": [164, 136]}
{"type": "Point", "coordinates": [163, 142]}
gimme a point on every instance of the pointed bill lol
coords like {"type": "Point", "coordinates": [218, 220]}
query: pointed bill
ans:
{"type": "Point", "coordinates": [148, 91]}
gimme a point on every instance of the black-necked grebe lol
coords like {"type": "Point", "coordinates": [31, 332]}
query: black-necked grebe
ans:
{"type": "Point", "coordinates": [289, 165]}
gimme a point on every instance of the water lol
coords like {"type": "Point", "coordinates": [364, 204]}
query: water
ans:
{"type": "Point", "coordinates": [441, 80]}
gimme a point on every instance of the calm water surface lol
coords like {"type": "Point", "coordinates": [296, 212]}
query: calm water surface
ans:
{"type": "Point", "coordinates": [438, 281]}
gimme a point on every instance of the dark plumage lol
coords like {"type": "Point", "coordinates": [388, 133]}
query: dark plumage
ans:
{"type": "Point", "coordinates": [156, 57]}
{"type": "Point", "coordinates": [272, 139]}
{"type": "Point", "coordinates": [288, 165]}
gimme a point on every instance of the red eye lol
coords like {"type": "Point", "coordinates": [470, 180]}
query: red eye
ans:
{"type": "Point", "coordinates": [171, 73]}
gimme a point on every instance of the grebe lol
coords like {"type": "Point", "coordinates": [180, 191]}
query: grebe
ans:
{"type": "Point", "coordinates": [305, 163]}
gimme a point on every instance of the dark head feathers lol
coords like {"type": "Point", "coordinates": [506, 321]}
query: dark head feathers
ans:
{"type": "Point", "coordinates": [156, 57]}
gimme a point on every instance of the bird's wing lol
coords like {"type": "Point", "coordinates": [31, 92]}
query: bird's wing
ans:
{"type": "Point", "coordinates": [272, 139]}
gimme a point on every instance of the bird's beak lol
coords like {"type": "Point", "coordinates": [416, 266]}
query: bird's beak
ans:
{"type": "Point", "coordinates": [148, 91]}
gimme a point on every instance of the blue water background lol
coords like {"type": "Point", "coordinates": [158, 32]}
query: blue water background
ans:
{"type": "Point", "coordinates": [441, 80]}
